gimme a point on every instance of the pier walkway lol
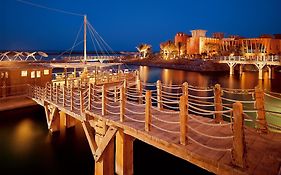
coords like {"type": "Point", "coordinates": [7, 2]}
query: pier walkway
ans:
{"type": "Point", "coordinates": [205, 126]}
{"type": "Point", "coordinates": [259, 61]}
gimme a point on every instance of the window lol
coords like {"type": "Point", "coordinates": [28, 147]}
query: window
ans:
{"type": "Point", "coordinates": [24, 73]}
{"type": "Point", "coordinates": [46, 72]}
{"type": "Point", "coordinates": [38, 74]}
{"type": "Point", "coordinates": [32, 74]}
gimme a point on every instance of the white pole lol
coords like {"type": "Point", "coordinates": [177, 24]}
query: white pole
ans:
{"type": "Point", "coordinates": [85, 38]}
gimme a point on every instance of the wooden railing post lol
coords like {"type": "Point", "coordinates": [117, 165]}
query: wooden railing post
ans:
{"type": "Point", "coordinates": [139, 89]}
{"type": "Point", "coordinates": [51, 92]}
{"type": "Point", "coordinates": [63, 95]}
{"type": "Point", "coordinates": [81, 101]}
{"type": "Point", "coordinates": [90, 97]}
{"type": "Point", "coordinates": [239, 146]}
{"type": "Point", "coordinates": [71, 97]}
{"type": "Point", "coordinates": [122, 103]}
{"type": "Point", "coordinates": [185, 88]}
{"type": "Point", "coordinates": [159, 94]}
{"type": "Point", "coordinates": [115, 94]}
{"type": "Point", "coordinates": [147, 110]}
{"type": "Point", "coordinates": [103, 100]}
{"type": "Point", "coordinates": [183, 119]}
{"type": "Point", "coordinates": [218, 103]}
{"type": "Point", "coordinates": [261, 123]}
{"type": "Point", "coordinates": [57, 98]}
{"type": "Point", "coordinates": [125, 86]}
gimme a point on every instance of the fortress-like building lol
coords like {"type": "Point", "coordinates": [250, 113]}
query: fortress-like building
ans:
{"type": "Point", "coordinates": [199, 43]}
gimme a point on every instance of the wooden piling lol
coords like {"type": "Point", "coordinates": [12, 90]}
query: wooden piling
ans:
{"type": "Point", "coordinates": [147, 110]}
{"type": "Point", "coordinates": [183, 119]}
{"type": "Point", "coordinates": [218, 103]}
{"type": "Point", "coordinates": [124, 154]}
{"type": "Point", "coordinates": [239, 146]}
{"type": "Point", "coordinates": [261, 123]}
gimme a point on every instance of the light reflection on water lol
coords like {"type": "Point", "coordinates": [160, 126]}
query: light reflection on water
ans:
{"type": "Point", "coordinates": [248, 80]}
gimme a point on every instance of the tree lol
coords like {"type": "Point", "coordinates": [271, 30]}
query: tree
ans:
{"type": "Point", "coordinates": [168, 50]}
{"type": "Point", "coordinates": [144, 50]}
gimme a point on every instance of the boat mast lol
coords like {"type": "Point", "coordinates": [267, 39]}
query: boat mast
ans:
{"type": "Point", "coordinates": [85, 38]}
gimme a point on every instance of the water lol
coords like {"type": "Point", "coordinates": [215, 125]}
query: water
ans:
{"type": "Point", "coordinates": [26, 146]}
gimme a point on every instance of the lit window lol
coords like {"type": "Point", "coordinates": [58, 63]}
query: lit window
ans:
{"type": "Point", "coordinates": [24, 73]}
{"type": "Point", "coordinates": [46, 72]}
{"type": "Point", "coordinates": [38, 74]}
{"type": "Point", "coordinates": [32, 74]}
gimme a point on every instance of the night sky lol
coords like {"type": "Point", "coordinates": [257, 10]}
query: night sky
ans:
{"type": "Point", "coordinates": [126, 23]}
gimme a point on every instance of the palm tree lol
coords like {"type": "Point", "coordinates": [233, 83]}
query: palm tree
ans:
{"type": "Point", "coordinates": [144, 50]}
{"type": "Point", "coordinates": [168, 49]}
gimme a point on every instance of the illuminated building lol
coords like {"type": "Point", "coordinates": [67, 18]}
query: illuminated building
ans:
{"type": "Point", "coordinates": [218, 44]}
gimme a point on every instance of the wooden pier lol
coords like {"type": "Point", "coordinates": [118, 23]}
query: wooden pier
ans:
{"type": "Point", "coordinates": [168, 117]}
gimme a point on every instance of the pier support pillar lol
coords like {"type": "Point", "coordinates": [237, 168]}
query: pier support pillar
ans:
{"type": "Point", "coordinates": [124, 154]}
{"type": "Point", "coordinates": [231, 67]}
{"type": "Point", "coordinates": [260, 74]}
{"type": "Point", "coordinates": [240, 69]}
{"type": "Point", "coordinates": [105, 164]}
{"type": "Point", "coordinates": [260, 67]}
{"type": "Point", "coordinates": [54, 124]}
{"type": "Point", "coordinates": [269, 72]}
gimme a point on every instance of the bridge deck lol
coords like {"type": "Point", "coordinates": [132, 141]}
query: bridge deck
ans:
{"type": "Point", "coordinates": [263, 155]}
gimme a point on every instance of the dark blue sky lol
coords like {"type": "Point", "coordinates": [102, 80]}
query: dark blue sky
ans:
{"type": "Point", "coordinates": [126, 23]}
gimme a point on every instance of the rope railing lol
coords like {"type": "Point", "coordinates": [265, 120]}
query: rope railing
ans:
{"type": "Point", "coordinates": [213, 112]}
{"type": "Point", "coordinates": [113, 113]}
{"type": "Point", "coordinates": [202, 105]}
{"type": "Point", "coordinates": [208, 147]}
{"type": "Point", "coordinates": [171, 93]}
{"type": "Point", "coordinates": [234, 100]}
{"type": "Point", "coordinates": [200, 90]}
{"type": "Point", "coordinates": [209, 124]}
{"type": "Point", "coordinates": [135, 104]}
{"type": "Point", "coordinates": [170, 107]}
{"type": "Point", "coordinates": [164, 130]}
{"type": "Point", "coordinates": [209, 136]}
{"type": "Point", "coordinates": [268, 95]}
{"type": "Point", "coordinates": [165, 121]}
{"type": "Point", "coordinates": [135, 120]}
{"type": "Point", "coordinates": [200, 97]}
{"type": "Point", "coordinates": [135, 112]}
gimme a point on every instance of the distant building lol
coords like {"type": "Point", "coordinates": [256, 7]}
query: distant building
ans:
{"type": "Point", "coordinates": [199, 43]}
{"type": "Point", "coordinates": [14, 76]}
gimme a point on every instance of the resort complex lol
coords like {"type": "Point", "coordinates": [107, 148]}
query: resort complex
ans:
{"type": "Point", "coordinates": [218, 45]}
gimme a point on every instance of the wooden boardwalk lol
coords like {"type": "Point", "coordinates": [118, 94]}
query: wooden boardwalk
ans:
{"type": "Point", "coordinates": [165, 120]}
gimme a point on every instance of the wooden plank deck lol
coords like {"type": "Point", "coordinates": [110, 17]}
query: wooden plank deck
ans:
{"type": "Point", "coordinates": [263, 154]}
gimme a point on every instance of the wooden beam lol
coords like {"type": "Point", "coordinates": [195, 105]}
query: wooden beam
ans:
{"type": "Point", "coordinates": [90, 135]}
{"type": "Point", "coordinates": [105, 165]}
{"type": "Point", "coordinates": [110, 133]}
{"type": "Point", "coordinates": [159, 94]}
{"type": "Point", "coordinates": [124, 153]}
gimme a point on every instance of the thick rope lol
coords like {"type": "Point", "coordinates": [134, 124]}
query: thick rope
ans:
{"type": "Point", "coordinates": [208, 147]}
{"type": "Point", "coordinates": [164, 130]}
{"type": "Point", "coordinates": [209, 136]}
{"type": "Point", "coordinates": [135, 120]}
{"type": "Point", "coordinates": [164, 121]}
{"type": "Point", "coordinates": [209, 124]}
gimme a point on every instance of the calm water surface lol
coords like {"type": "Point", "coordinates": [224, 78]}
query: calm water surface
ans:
{"type": "Point", "coordinates": [26, 146]}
